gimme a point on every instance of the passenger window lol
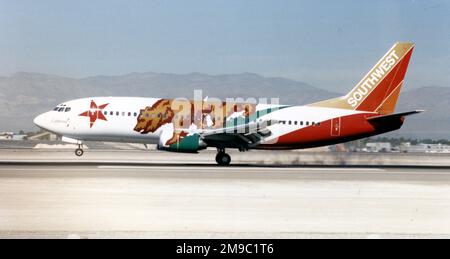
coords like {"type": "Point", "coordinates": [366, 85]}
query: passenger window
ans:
{"type": "Point", "coordinates": [106, 113]}
{"type": "Point", "coordinates": [111, 113]}
{"type": "Point", "coordinates": [135, 114]}
{"type": "Point", "coordinates": [123, 113]}
{"type": "Point", "coordinates": [117, 113]}
{"type": "Point", "coordinates": [295, 122]}
{"type": "Point", "coordinates": [307, 123]}
{"type": "Point", "coordinates": [290, 122]}
{"type": "Point", "coordinates": [129, 114]}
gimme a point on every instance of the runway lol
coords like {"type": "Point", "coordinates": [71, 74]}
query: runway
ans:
{"type": "Point", "coordinates": [194, 200]}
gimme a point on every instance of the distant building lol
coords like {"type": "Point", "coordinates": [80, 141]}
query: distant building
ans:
{"type": "Point", "coordinates": [11, 136]}
{"type": "Point", "coordinates": [424, 148]}
{"type": "Point", "coordinates": [6, 135]}
{"type": "Point", "coordinates": [44, 136]}
{"type": "Point", "coordinates": [378, 147]}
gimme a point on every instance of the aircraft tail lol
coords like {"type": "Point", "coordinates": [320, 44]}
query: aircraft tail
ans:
{"type": "Point", "coordinates": [378, 91]}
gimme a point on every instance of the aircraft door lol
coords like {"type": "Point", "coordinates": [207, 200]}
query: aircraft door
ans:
{"type": "Point", "coordinates": [336, 127]}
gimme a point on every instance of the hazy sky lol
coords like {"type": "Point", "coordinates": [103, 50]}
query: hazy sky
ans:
{"type": "Point", "coordinates": [329, 44]}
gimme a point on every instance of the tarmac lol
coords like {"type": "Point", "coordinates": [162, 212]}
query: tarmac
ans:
{"type": "Point", "coordinates": [149, 194]}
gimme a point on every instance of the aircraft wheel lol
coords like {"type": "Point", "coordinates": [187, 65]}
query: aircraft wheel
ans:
{"type": "Point", "coordinates": [79, 152]}
{"type": "Point", "coordinates": [223, 158]}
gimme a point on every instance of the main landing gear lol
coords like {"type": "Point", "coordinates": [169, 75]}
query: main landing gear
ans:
{"type": "Point", "coordinates": [79, 151]}
{"type": "Point", "coordinates": [223, 158]}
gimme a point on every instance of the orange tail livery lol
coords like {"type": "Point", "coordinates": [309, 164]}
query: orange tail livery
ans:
{"type": "Point", "coordinates": [378, 91]}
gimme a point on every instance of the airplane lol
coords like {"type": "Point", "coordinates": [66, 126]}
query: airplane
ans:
{"type": "Point", "coordinates": [181, 125]}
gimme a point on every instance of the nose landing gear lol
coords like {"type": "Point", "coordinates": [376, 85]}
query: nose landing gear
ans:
{"type": "Point", "coordinates": [79, 151]}
{"type": "Point", "coordinates": [223, 158]}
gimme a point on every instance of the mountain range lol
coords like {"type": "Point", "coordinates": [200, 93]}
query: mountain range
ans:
{"type": "Point", "coordinates": [24, 95]}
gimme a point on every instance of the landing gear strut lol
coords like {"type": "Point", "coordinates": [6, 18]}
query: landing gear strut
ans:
{"type": "Point", "coordinates": [223, 158]}
{"type": "Point", "coordinates": [79, 151]}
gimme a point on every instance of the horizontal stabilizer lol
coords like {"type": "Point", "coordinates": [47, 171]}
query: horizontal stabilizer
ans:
{"type": "Point", "coordinates": [393, 116]}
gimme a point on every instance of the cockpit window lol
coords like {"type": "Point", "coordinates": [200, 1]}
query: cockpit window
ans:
{"type": "Point", "coordinates": [62, 108]}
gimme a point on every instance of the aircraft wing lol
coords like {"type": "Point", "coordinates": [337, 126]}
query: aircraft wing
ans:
{"type": "Point", "coordinates": [244, 136]}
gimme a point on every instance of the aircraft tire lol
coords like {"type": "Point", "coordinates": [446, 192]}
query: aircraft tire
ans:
{"type": "Point", "coordinates": [79, 152]}
{"type": "Point", "coordinates": [223, 159]}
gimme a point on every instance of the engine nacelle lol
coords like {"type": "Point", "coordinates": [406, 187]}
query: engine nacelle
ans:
{"type": "Point", "coordinates": [187, 144]}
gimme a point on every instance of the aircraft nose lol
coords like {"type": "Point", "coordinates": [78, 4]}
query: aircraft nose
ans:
{"type": "Point", "coordinates": [41, 121]}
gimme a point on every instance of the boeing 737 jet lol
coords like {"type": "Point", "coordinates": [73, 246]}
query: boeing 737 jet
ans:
{"type": "Point", "coordinates": [181, 125]}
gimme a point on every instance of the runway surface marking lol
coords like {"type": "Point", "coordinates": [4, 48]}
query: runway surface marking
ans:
{"type": "Point", "coordinates": [243, 168]}
{"type": "Point", "coordinates": [87, 161]}
{"type": "Point", "coordinates": [217, 169]}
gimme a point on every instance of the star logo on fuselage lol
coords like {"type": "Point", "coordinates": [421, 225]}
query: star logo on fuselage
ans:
{"type": "Point", "coordinates": [95, 113]}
